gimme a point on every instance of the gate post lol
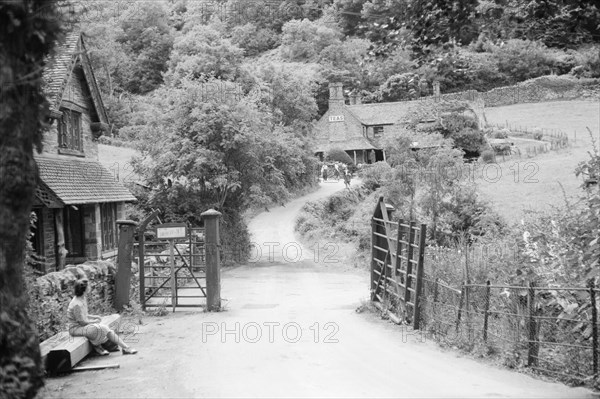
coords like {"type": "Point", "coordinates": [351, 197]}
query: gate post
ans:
{"type": "Point", "coordinates": [124, 257]}
{"type": "Point", "coordinates": [419, 277]}
{"type": "Point", "coordinates": [212, 244]}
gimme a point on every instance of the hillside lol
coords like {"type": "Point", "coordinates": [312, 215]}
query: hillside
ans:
{"type": "Point", "coordinates": [537, 184]}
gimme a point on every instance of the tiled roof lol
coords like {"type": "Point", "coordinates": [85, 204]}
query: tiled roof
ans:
{"type": "Point", "coordinates": [77, 181]}
{"type": "Point", "coordinates": [58, 68]}
{"type": "Point", "coordinates": [380, 113]}
{"type": "Point", "coordinates": [357, 143]}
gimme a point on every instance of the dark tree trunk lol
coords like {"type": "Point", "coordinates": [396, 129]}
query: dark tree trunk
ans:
{"type": "Point", "coordinates": [28, 31]}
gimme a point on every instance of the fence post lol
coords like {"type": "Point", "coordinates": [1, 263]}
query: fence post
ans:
{"type": "Point", "coordinates": [141, 230]}
{"type": "Point", "coordinates": [124, 257]}
{"type": "Point", "coordinates": [532, 350]}
{"type": "Point", "coordinates": [409, 253]}
{"type": "Point", "coordinates": [419, 282]}
{"type": "Point", "coordinates": [594, 327]}
{"type": "Point", "coordinates": [486, 312]}
{"type": "Point", "coordinates": [213, 259]}
{"type": "Point", "coordinates": [460, 305]}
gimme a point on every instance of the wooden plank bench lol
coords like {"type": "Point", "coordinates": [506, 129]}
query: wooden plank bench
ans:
{"type": "Point", "coordinates": [61, 352]}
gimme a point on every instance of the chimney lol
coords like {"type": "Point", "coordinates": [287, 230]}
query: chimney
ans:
{"type": "Point", "coordinates": [336, 95]}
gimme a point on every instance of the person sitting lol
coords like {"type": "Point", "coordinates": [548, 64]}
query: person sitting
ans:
{"type": "Point", "coordinates": [82, 324]}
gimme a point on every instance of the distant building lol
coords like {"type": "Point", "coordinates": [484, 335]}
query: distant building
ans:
{"type": "Point", "coordinates": [77, 200]}
{"type": "Point", "coordinates": [360, 129]}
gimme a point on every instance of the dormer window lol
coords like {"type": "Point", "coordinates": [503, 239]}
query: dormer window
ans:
{"type": "Point", "coordinates": [377, 132]}
{"type": "Point", "coordinates": [70, 140]}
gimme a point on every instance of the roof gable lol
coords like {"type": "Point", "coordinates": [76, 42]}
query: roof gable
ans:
{"type": "Point", "coordinates": [59, 70]}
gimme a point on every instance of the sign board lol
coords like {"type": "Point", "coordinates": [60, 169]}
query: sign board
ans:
{"type": "Point", "coordinates": [336, 118]}
{"type": "Point", "coordinates": [171, 231]}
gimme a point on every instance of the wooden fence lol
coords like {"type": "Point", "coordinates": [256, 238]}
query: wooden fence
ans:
{"type": "Point", "coordinates": [553, 330]}
{"type": "Point", "coordinates": [397, 254]}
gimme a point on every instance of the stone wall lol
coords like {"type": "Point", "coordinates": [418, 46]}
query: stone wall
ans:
{"type": "Point", "coordinates": [49, 295]}
{"type": "Point", "coordinates": [542, 89]}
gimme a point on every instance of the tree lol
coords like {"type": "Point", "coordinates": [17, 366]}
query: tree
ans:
{"type": "Point", "coordinates": [252, 39]}
{"type": "Point", "coordinates": [349, 15]}
{"type": "Point", "coordinates": [201, 52]}
{"type": "Point", "coordinates": [406, 86]}
{"type": "Point", "coordinates": [304, 40]}
{"type": "Point", "coordinates": [287, 94]}
{"type": "Point", "coordinates": [147, 40]}
{"type": "Point", "coordinates": [217, 152]}
{"type": "Point", "coordinates": [28, 31]}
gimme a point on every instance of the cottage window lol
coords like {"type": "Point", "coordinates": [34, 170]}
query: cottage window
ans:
{"type": "Point", "coordinates": [377, 132]}
{"type": "Point", "coordinates": [108, 217]}
{"type": "Point", "coordinates": [69, 131]}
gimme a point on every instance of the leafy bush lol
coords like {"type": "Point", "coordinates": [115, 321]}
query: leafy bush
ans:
{"type": "Point", "coordinates": [304, 40]}
{"type": "Point", "coordinates": [500, 134]}
{"type": "Point", "coordinates": [400, 87]}
{"type": "Point", "coordinates": [588, 63]}
{"type": "Point", "coordinates": [469, 139]}
{"type": "Point", "coordinates": [253, 40]}
{"type": "Point", "coordinates": [488, 156]}
{"type": "Point", "coordinates": [524, 59]}
{"type": "Point", "coordinates": [375, 175]}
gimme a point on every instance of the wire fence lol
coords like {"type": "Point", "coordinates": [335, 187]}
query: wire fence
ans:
{"type": "Point", "coordinates": [551, 330]}
{"type": "Point", "coordinates": [533, 141]}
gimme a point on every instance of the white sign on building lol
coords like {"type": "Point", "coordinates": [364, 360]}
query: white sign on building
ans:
{"type": "Point", "coordinates": [336, 118]}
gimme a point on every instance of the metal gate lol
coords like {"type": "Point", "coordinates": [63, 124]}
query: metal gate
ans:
{"type": "Point", "coordinates": [158, 288]}
{"type": "Point", "coordinates": [397, 253]}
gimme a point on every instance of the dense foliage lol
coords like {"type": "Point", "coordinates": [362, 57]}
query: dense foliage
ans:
{"type": "Point", "coordinates": [28, 32]}
{"type": "Point", "coordinates": [239, 83]}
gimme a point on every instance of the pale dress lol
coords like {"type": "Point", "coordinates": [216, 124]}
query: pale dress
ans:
{"type": "Point", "coordinates": [77, 313]}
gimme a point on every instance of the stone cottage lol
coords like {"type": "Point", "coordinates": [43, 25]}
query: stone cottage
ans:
{"type": "Point", "coordinates": [360, 129]}
{"type": "Point", "coordinates": [77, 200]}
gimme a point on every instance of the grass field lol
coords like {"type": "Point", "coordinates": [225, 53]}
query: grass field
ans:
{"type": "Point", "coordinates": [535, 183]}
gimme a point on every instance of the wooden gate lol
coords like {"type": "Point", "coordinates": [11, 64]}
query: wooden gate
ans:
{"type": "Point", "coordinates": [397, 253]}
{"type": "Point", "coordinates": [157, 287]}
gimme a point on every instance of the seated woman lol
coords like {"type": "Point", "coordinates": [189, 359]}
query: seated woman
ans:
{"type": "Point", "coordinates": [82, 324]}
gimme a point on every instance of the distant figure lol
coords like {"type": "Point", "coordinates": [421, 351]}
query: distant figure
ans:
{"type": "Point", "coordinates": [347, 178]}
{"type": "Point", "coordinates": [324, 172]}
{"type": "Point", "coordinates": [337, 170]}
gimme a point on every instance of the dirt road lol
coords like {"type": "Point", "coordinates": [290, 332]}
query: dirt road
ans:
{"type": "Point", "coordinates": [290, 329]}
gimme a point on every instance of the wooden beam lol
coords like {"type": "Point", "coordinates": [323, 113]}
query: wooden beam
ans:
{"type": "Point", "coordinates": [96, 367]}
{"type": "Point", "coordinates": [62, 352]}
